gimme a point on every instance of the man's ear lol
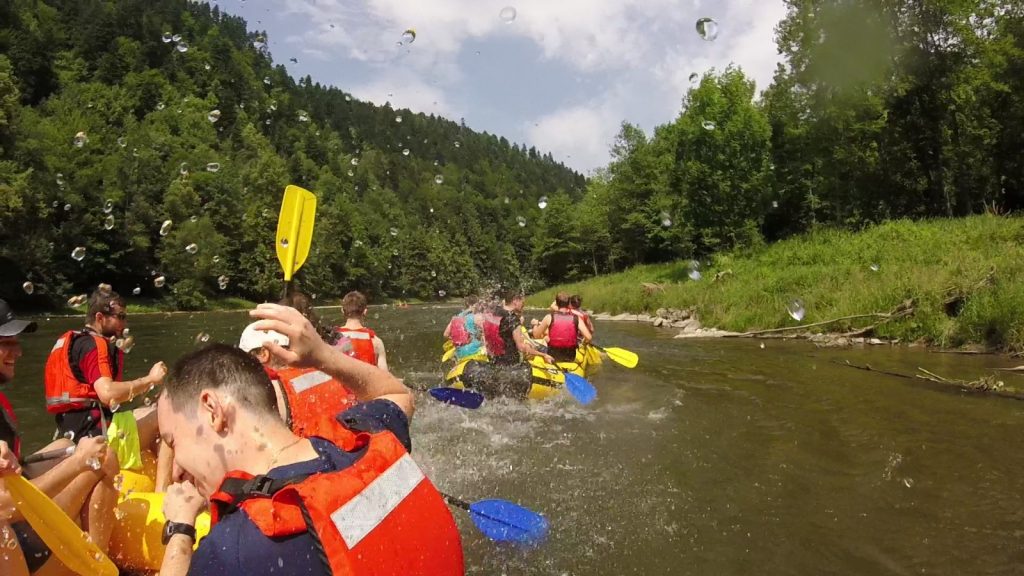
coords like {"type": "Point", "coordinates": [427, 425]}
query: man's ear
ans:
{"type": "Point", "coordinates": [212, 409]}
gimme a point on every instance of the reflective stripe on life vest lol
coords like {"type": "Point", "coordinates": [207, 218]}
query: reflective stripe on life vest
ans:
{"type": "Point", "coordinates": [361, 340]}
{"type": "Point", "coordinates": [312, 397]}
{"type": "Point", "coordinates": [360, 515]}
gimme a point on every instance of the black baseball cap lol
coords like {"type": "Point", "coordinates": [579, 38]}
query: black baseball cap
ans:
{"type": "Point", "coordinates": [11, 326]}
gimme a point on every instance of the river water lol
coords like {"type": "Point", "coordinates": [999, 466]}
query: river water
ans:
{"type": "Point", "coordinates": [711, 457]}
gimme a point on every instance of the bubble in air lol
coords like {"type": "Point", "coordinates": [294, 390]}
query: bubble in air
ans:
{"type": "Point", "coordinates": [78, 253]}
{"type": "Point", "coordinates": [707, 28]}
{"type": "Point", "coordinates": [707, 125]}
{"type": "Point", "coordinates": [181, 47]}
{"type": "Point", "coordinates": [192, 248]}
{"type": "Point", "coordinates": [165, 228]}
{"type": "Point", "coordinates": [521, 221]}
{"type": "Point", "coordinates": [136, 291]}
{"type": "Point", "coordinates": [507, 14]}
{"type": "Point", "coordinates": [213, 167]}
{"type": "Point", "coordinates": [108, 222]}
{"type": "Point", "coordinates": [354, 162]}
{"type": "Point", "coordinates": [442, 293]}
{"type": "Point", "coordinates": [666, 219]}
{"type": "Point", "coordinates": [394, 231]}
{"type": "Point", "coordinates": [405, 152]}
{"type": "Point", "coordinates": [60, 179]}
{"type": "Point", "coordinates": [213, 115]}
{"type": "Point", "coordinates": [303, 116]}
{"type": "Point", "coordinates": [458, 144]}
{"type": "Point", "coordinates": [408, 37]}
{"type": "Point", "coordinates": [206, 67]}
{"type": "Point", "coordinates": [796, 309]}
{"type": "Point", "coordinates": [438, 179]}
{"type": "Point", "coordinates": [202, 337]}
{"type": "Point", "coordinates": [160, 106]}
{"type": "Point", "coordinates": [875, 267]}
{"type": "Point", "coordinates": [159, 281]}
{"type": "Point", "coordinates": [693, 270]}
{"type": "Point", "coordinates": [351, 172]}
{"type": "Point", "coordinates": [694, 76]}
{"type": "Point", "coordinates": [183, 169]}
{"type": "Point", "coordinates": [166, 38]}
{"type": "Point", "coordinates": [122, 141]}
{"type": "Point", "coordinates": [775, 203]}
{"type": "Point", "coordinates": [222, 282]}
{"type": "Point", "coordinates": [284, 242]}
{"type": "Point", "coordinates": [398, 118]}
{"type": "Point", "coordinates": [28, 287]}
{"type": "Point", "coordinates": [67, 207]}
{"type": "Point", "coordinates": [176, 37]}
{"type": "Point", "coordinates": [81, 139]}
{"type": "Point", "coordinates": [543, 202]}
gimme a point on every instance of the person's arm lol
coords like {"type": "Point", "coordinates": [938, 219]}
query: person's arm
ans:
{"type": "Point", "coordinates": [382, 354]}
{"type": "Point", "coordinates": [528, 350]}
{"type": "Point", "coordinates": [541, 328]}
{"type": "Point", "coordinates": [182, 504]}
{"type": "Point", "coordinates": [306, 349]}
{"type": "Point", "coordinates": [448, 330]}
{"type": "Point", "coordinates": [585, 332]}
{"type": "Point", "coordinates": [112, 392]}
{"type": "Point", "coordinates": [56, 479]}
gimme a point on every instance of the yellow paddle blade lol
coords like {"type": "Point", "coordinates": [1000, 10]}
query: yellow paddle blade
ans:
{"type": "Point", "coordinates": [449, 345]}
{"type": "Point", "coordinates": [61, 535]}
{"type": "Point", "coordinates": [295, 229]}
{"type": "Point", "coordinates": [622, 356]}
{"type": "Point", "coordinates": [448, 355]}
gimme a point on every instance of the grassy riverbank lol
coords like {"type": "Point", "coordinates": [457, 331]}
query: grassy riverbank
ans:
{"type": "Point", "coordinates": [978, 259]}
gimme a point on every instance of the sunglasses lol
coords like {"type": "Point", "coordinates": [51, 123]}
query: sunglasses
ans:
{"type": "Point", "coordinates": [119, 315]}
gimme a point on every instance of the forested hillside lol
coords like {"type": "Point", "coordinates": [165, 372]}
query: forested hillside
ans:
{"type": "Point", "coordinates": [118, 116]}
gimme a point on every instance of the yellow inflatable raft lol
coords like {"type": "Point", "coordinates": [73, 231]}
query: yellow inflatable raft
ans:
{"type": "Point", "coordinates": [545, 380]}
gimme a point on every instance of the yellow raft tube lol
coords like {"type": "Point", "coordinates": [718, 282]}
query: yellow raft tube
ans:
{"type": "Point", "coordinates": [135, 544]}
{"type": "Point", "coordinates": [546, 380]}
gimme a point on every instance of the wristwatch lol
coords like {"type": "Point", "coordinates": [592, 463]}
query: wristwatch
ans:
{"type": "Point", "coordinates": [172, 528]}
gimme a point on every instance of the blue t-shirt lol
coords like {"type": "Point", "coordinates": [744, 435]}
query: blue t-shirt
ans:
{"type": "Point", "coordinates": [236, 546]}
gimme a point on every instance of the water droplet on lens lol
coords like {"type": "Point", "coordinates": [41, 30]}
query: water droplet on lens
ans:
{"type": "Point", "coordinates": [666, 219]}
{"type": "Point", "coordinates": [442, 293]}
{"type": "Point", "coordinates": [166, 38]}
{"type": "Point", "coordinates": [60, 179]}
{"type": "Point", "coordinates": [458, 144]}
{"type": "Point", "coordinates": [165, 228]}
{"type": "Point", "coordinates": [137, 291]}
{"type": "Point", "coordinates": [507, 14]}
{"type": "Point", "coordinates": [202, 337]}
{"type": "Point", "coordinates": [707, 125]}
{"type": "Point", "coordinates": [122, 141]}
{"type": "Point", "coordinates": [108, 206]}
{"type": "Point", "coordinates": [28, 287]}
{"type": "Point", "coordinates": [67, 207]}
{"type": "Point", "coordinates": [707, 28]}
{"type": "Point", "coordinates": [213, 115]}
{"type": "Point", "coordinates": [78, 253]}
{"type": "Point", "coordinates": [182, 47]}
{"type": "Point", "coordinates": [438, 179]}
{"type": "Point", "coordinates": [694, 76]}
{"type": "Point", "coordinates": [222, 282]}
{"type": "Point", "coordinates": [408, 37]}
{"type": "Point", "coordinates": [354, 162]}
{"type": "Point", "coordinates": [351, 173]}
{"type": "Point", "coordinates": [521, 221]}
{"type": "Point", "coordinates": [160, 106]}
{"type": "Point", "coordinates": [213, 167]}
{"type": "Point", "coordinates": [405, 152]}
{"type": "Point", "coordinates": [192, 248]}
{"type": "Point", "coordinates": [875, 267]}
{"type": "Point", "coordinates": [159, 281]}
{"type": "Point", "coordinates": [303, 116]}
{"type": "Point", "coordinates": [543, 202]}
{"type": "Point", "coordinates": [394, 231]}
{"type": "Point", "coordinates": [284, 242]}
{"type": "Point", "coordinates": [796, 309]}
{"type": "Point", "coordinates": [775, 203]}
{"type": "Point", "coordinates": [176, 37]}
{"type": "Point", "coordinates": [693, 270]}
{"type": "Point", "coordinates": [398, 119]}
{"type": "Point", "coordinates": [81, 139]}
{"type": "Point", "coordinates": [108, 223]}
{"type": "Point", "coordinates": [206, 67]}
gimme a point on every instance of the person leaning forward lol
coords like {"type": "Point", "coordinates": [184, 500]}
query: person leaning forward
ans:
{"type": "Point", "coordinates": [348, 501]}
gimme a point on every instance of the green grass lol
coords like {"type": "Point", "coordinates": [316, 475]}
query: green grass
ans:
{"type": "Point", "coordinates": [830, 271]}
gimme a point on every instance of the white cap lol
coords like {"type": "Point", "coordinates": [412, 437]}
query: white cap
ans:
{"type": "Point", "coordinates": [252, 338]}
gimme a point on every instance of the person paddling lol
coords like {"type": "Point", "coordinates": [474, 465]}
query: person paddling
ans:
{"type": "Point", "coordinates": [80, 483]}
{"type": "Point", "coordinates": [464, 329]}
{"type": "Point", "coordinates": [357, 340]}
{"type": "Point", "coordinates": [576, 306]}
{"type": "Point", "coordinates": [350, 501]}
{"type": "Point", "coordinates": [563, 330]}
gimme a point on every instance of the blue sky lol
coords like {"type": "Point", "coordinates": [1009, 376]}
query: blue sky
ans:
{"type": "Point", "coordinates": [561, 76]}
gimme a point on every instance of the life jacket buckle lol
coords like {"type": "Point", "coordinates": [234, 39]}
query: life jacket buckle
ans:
{"type": "Point", "coordinates": [261, 486]}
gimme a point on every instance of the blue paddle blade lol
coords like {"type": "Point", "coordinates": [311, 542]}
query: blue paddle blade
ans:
{"type": "Point", "coordinates": [504, 521]}
{"type": "Point", "coordinates": [463, 398]}
{"type": "Point", "coordinates": [583, 391]}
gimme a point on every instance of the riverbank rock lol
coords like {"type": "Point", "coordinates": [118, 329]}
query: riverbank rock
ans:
{"type": "Point", "coordinates": [706, 333]}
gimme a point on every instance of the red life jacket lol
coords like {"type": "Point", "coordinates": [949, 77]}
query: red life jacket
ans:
{"type": "Point", "coordinates": [492, 335]}
{"type": "Point", "coordinates": [9, 426]}
{"type": "Point", "coordinates": [459, 334]}
{"type": "Point", "coordinates": [311, 396]}
{"type": "Point", "coordinates": [361, 342]}
{"type": "Point", "coordinates": [380, 516]}
{"type": "Point", "coordinates": [64, 392]}
{"type": "Point", "coordinates": [564, 330]}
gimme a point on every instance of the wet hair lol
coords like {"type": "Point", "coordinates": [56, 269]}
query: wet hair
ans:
{"type": "Point", "coordinates": [509, 296]}
{"type": "Point", "coordinates": [471, 301]}
{"type": "Point", "coordinates": [304, 304]}
{"type": "Point", "coordinates": [576, 301]}
{"type": "Point", "coordinates": [354, 304]}
{"type": "Point", "coordinates": [102, 301]}
{"type": "Point", "coordinates": [224, 368]}
{"type": "Point", "coordinates": [562, 299]}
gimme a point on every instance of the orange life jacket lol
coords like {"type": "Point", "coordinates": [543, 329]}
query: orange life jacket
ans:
{"type": "Point", "coordinates": [9, 426]}
{"type": "Point", "coordinates": [64, 392]}
{"type": "Point", "coordinates": [311, 397]}
{"type": "Point", "coordinates": [361, 341]}
{"type": "Point", "coordinates": [380, 516]}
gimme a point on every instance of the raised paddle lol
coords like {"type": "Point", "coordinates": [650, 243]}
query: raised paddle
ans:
{"type": "Point", "coordinates": [620, 356]}
{"type": "Point", "coordinates": [503, 521]}
{"type": "Point", "coordinates": [60, 534]}
{"type": "Point", "coordinates": [458, 397]}
{"type": "Point", "coordinates": [294, 230]}
{"type": "Point", "coordinates": [448, 355]}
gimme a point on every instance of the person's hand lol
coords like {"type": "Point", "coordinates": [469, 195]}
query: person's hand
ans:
{"type": "Point", "coordinates": [534, 322]}
{"type": "Point", "coordinates": [157, 373]}
{"type": "Point", "coordinates": [182, 503]}
{"type": "Point", "coordinates": [547, 358]}
{"type": "Point", "coordinates": [305, 347]}
{"type": "Point", "coordinates": [8, 461]}
{"type": "Point", "coordinates": [91, 452]}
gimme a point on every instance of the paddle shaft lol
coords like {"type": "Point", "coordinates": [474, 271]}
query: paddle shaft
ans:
{"type": "Point", "coordinates": [48, 455]}
{"type": "Point", "coordinates": [457, 502]}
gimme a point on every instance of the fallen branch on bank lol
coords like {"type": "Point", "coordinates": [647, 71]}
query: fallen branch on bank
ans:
{"type": "Point", "coordinates": [985, 384]}
{"type": "Point", "coordinates": [1014, 369]}
{"type": "Point", "coordinates": [903, 310]}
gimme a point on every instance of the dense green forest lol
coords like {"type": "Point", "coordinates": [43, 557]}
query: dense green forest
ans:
{"type": "Point", "coordinates": [116, 116]}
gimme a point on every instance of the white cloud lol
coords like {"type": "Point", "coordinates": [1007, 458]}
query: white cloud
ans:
{"type": "Point", "coordinates": [404, 91]}
{"type": "Point", "coordinates": [579, 136]}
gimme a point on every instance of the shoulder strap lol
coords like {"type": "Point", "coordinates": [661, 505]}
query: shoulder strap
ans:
{"type": "Point", "coordinates": [235, 491]}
